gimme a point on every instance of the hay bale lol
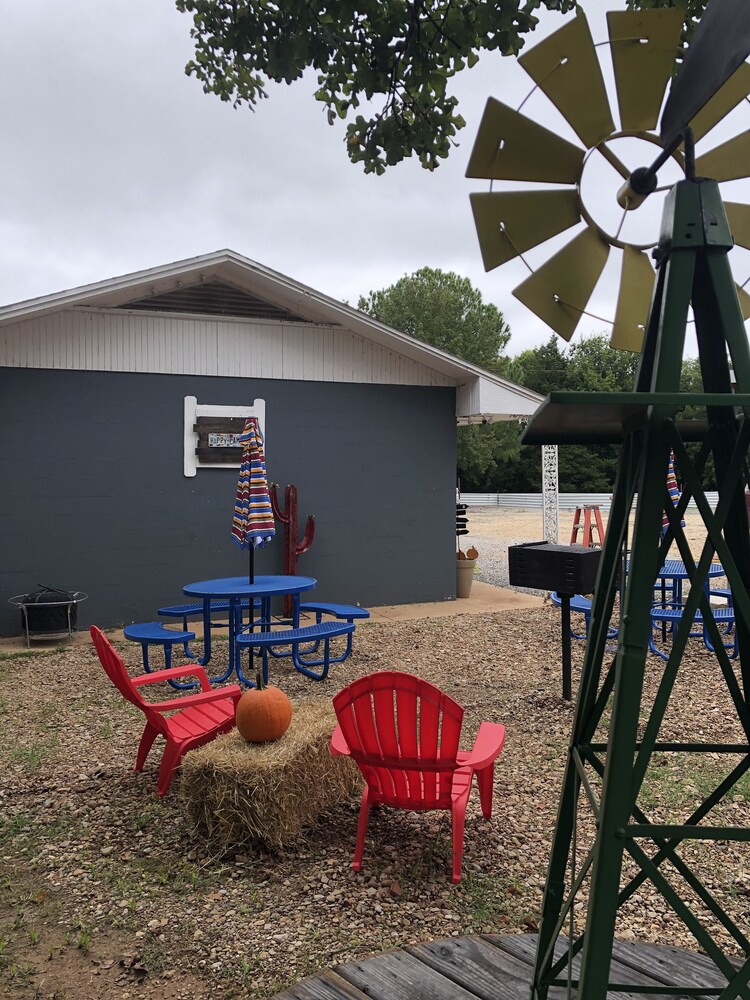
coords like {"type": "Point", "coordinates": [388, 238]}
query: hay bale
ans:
{"type": "Point", "coordinates": [266, 793]}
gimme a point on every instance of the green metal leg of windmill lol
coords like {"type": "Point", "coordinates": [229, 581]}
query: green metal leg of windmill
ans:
{"type": "Point", "coordinates": [693, 268]}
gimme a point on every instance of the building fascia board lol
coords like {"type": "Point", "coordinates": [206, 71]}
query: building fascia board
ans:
{"type": "Point", "coordinates": [281, 290]}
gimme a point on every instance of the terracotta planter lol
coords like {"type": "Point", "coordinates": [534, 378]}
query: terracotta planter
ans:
{"type": "Point", "coordinates": [464, 576]}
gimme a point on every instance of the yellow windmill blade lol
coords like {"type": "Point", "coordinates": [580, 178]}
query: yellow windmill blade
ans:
{"type": "Point", "coordinates": [566, 68]}
{"type": "Point", "coordinates": [744, 300]}
{"type": "Point", "coordinates": [724, 100]}
{"type": "Point", "coordinates": [510, 146]}
{"type": "Point", "coordinates": [511, 222]}
{"type": "Point", "coordinates": [738, 217]}
{"type": "Point", "coordinates": [727, 162]}
{"type": "Point", "coordinates": [636, 289]}
{"type": "Point", "coordinates": [559, 291]}
{"type": "Point", "coordinates": [643, 51]}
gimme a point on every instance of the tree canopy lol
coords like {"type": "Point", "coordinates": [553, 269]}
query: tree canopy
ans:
{"type": "Point", "coordinates": [399, 56]}
{"type": "Point", "coordinates": [445, 310]}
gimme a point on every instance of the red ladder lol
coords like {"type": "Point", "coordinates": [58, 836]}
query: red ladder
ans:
{"type": "Point", "coordinates": [588, 526]}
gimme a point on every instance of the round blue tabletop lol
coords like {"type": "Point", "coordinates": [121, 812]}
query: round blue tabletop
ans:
{"type": "Point", "coordinates": [677, 570]}
{"type": "Point", "coordinates": [240, 586]}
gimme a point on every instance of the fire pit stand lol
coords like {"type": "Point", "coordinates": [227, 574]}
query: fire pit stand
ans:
{"type": "Point", "coordinates": [566, 569]}
{"type": "Point", "coordinates": [51, 614]}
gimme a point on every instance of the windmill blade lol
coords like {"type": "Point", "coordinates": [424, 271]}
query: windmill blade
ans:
{"type": "Point", "coordinates": [559, 290]}
{"type": "Point", "coordinates": [744, 300]}
{"type": "Point", "coordinates": [738, 217]}
{"type": "Point", "coordinates": [566, 68]}
{"type": "Point", "coordinates": [509, 146]}
{"type": "Point", "coordinates": [636, 290]}
{"type": "Point", "coordinates": [727, 162]}
{"type": "Point", "coordinates": [724, 100]}
{"type": "Point", "coordinates": [510, 222]}
{"type": "Point", "coordinates": [720, 44]}
{"type": "Point", "coordinates": [644, 45]}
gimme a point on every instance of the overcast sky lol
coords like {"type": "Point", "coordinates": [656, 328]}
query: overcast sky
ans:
{"type": "Point", "coordinates": [113, 160]}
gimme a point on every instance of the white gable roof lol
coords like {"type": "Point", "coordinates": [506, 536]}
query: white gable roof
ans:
{"type": "Point", "coordinates": [481, 396]}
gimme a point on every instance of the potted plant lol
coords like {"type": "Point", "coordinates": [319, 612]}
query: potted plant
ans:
{"type": "Point", "coordinates": [465, 561]}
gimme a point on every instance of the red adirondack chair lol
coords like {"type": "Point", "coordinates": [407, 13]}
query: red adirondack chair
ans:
{"type": "Point", "coordinates": [197, 718]}
{"type": "Point", "coordinates": [403, 734]}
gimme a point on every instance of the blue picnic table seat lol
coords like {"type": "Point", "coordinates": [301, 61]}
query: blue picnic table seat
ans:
{"type": "Point", "coordinates": [581, 605]}
{"type": "Point", "coordinates": [294, 637]}
{"type": "Point", "coordinates": [185, 610]}
{"type": "Point", "coordinates": [345, 612]}
{"type": "Point", "coordinates": [157, 634]}
{"type": "Point", "coordinates": [673, 614]}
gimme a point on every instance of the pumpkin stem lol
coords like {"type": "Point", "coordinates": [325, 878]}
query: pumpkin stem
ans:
{"type": "Point", "coordinates": [259, 682]}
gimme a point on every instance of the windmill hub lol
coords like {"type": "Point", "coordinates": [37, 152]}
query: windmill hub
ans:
{"type": "Point", "coordinates": [609, 169]}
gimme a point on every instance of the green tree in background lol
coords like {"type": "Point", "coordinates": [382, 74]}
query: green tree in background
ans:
{"type": "Point", "coordinates": [589, 364]}
{"type": "Point", "coordinates": [443, 309]}
{"type": "Point", "coordinates": [398, 56]}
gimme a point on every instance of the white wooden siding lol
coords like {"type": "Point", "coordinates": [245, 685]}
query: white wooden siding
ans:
{"type": "Point", "coordinates": [116, 340]}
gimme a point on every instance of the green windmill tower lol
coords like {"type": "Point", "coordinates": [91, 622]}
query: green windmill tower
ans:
{"type": "Point", "coordinates": [618, 736]}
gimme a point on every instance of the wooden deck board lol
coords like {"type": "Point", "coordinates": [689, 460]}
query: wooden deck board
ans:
{"type": "Point", "coordinates": [493, 967]}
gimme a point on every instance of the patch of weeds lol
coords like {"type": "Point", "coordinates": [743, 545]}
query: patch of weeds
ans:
{"type": "Point", "coordinates": [484, 898]}
{"type": "Point", "coordinates": [82, 936]}
{"type": "Point", "coordinates": [663, 785]}
{"type": "Point", "coordinates": [254, 901]}
{"type": "Point", "coordinates": [31, 757]}
{"type": "Point", "coordinates": [20, 654]}
{"type": "Point", "coordinates": [21, 973]}
{"type": "Point", "coordinates": [430, 865]}
{"type": "Point", "coordinates": [34, 936]}
{"type": "Point", "coordinates": [105, 731]}
{"type": "Point", "coordinates": [679, 782]}
{"type": "Point", "coordinates": [154, 955]}
{"type": "Point", "coordinates": [4, 956]}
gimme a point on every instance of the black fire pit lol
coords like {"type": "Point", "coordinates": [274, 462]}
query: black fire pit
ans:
{"type": "Point", "coordinates": [49, 613]}
{"type": "Point", "coordinates": [567, 569]}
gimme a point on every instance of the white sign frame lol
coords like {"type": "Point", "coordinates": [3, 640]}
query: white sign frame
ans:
{"type": "Point", "coordinates": [195, 409]}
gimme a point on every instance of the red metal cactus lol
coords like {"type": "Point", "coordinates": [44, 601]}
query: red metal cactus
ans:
{"type": "Point", "coordinates": [292, 548]}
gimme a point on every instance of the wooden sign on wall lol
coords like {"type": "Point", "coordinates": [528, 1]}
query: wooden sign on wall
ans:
{"type": "Point", "coordinates": [211, 433]}
{"type": "Point", "coordinates": [218, 439]}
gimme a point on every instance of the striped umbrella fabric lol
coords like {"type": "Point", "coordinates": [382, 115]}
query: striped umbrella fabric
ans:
{"type": "Point", "coordinates": [252, 525]}
{"type": "Point", "coordinates": [673, 490]}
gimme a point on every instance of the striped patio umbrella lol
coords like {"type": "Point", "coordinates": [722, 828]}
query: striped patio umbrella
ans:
{"type": "Point", "coordinates": [673, 490]}
{"type": "Point", "coordinates": [252, 525]}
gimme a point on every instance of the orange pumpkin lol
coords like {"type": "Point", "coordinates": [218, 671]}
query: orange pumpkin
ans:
{"type": "Point", "coordinates": [472, 553]}
{"type": "Point", "coordinates": [263, 713]}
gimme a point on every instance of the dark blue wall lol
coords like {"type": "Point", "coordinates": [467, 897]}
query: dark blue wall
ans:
{"type": "Point", "coordinates": [93, 495]}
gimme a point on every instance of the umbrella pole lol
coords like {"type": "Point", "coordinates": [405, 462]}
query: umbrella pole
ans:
{"type": "Point", "coordinates": [251, 602]}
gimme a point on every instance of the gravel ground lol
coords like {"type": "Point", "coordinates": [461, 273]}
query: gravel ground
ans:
{"type": "Point", "coordinates": [105, 891]}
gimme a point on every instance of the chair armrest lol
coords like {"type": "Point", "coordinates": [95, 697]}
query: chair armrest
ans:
{"type": "Point", "coordinates": [205, 697]}
{"type": "Point", "coordinates": [487, 746]}
{"type": "Point", "coordinates": [338, 745]}
{"type": "Point", "coordinates": [166, 675]}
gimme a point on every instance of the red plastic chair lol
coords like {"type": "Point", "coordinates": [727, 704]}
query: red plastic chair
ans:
{"type": "Point", "coordinates": [403, 734]}
{"type": "Point", "coordinates": [197, 718]}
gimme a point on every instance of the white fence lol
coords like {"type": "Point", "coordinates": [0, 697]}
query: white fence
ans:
{"type": "Point", "coordinates": [533, 501]}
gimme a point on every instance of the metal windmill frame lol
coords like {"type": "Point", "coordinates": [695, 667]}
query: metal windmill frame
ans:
{"type": "Point", "coordinates": [606, 775]}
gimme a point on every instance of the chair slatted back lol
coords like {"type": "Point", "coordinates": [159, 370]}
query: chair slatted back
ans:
{"type": "Point", "coordinates": [117, 672]}
{"type": "Point", "coordinates": [403, 732]}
